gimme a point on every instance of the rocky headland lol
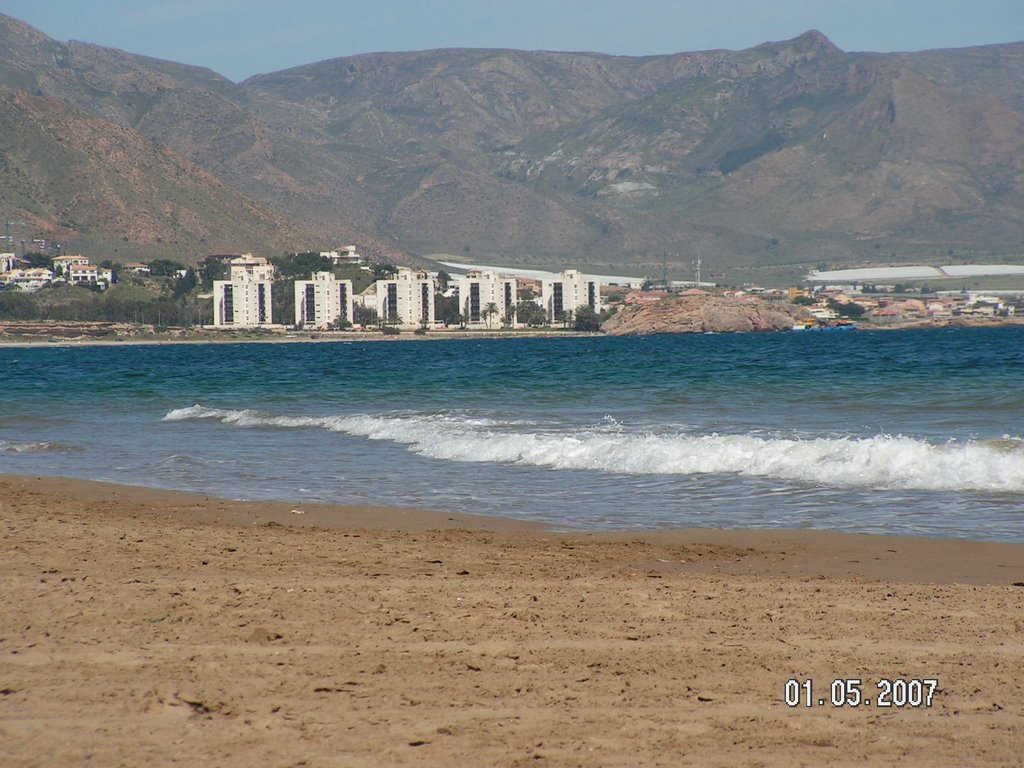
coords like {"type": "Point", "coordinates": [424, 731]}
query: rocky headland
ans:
{"type": "Point", "coordinates": [704, 313]}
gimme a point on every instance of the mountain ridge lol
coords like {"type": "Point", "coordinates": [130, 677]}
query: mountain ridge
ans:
{"type": "Point", "coordinates": [766, 160]}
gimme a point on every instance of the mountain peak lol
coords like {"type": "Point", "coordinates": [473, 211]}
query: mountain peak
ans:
{"type": "Point", "coordinates": [811, 40]}
{"type": "Point", "coordinates": [814, 37]}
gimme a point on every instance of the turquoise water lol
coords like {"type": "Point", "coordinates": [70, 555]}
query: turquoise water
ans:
{"type": "Point", "coordinates": [913, 432]}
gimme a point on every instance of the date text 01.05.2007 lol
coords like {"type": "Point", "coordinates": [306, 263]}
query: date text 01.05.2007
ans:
{"type": "Point", "coordinates": [851, 692]}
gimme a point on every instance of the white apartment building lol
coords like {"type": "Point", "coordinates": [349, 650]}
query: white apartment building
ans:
{"type": "Point", "coordinates": [569, 291]}
{"type": "Point", "coordinates": [7, 261]}
{"type": "Point", "coordinates": [251, 267]}
{"type": "Point", "coordinates": [406, 297]}
{"type": "Point", "coordinates": [477, 290]}
{"type": "Point", "coordinates": [244, 301]}
{"type": "Point", "coordinates": [322, 301]}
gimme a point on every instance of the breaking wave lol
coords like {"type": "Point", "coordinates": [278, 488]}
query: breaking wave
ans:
{"type": "Point", "coordinates": [44, 447]}
{"type": "Point", "coordinates": [882, 461]}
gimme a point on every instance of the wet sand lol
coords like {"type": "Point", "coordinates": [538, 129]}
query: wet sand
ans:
{"type": "Point", "coordinates": [144, 627]}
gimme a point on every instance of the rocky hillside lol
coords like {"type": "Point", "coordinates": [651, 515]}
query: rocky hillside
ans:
{"type": "Point", "coordinates": [84, 180]}
{"type": "Point", "coordinates": [761, 162]}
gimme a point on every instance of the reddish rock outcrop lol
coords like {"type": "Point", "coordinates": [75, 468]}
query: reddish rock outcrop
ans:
{"type": "Point", "coordinates": [703, 314]}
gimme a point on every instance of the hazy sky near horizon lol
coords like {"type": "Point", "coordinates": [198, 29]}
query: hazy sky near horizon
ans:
{"type": "Point", "coordinates": [240, 38]}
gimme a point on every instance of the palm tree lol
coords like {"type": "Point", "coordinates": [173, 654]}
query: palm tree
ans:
{"type": "Point", "coordinates": [489, 311]}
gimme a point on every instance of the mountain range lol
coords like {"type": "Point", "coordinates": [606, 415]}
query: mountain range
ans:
{"type": "Point", "coordinates": [762, 162]}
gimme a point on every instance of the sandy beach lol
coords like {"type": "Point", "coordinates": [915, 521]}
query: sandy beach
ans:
{"type": "Point", "coordinates": [143, 627]}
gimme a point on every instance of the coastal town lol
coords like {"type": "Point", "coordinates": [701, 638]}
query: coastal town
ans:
{"type": "Point", "coordinates": [566, 384]}
{"type": "Point", "coordinates": [339, 291]}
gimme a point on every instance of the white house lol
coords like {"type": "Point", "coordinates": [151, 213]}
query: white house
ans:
{"type": "Point", "coordinates": [28, 280]}
{"type": "Point", "coordinates": [406, 297]}
{"type": "Point", "coordinates": [244, 301]}
{"type": "Point", "coordinates": [62, 264]}
{"type": "Point", "coordinates": [82, 274]}
{"type": "Point", "coordinates": [322, 301]}
{"type": "Point", "coordinates": [477, 290]}
{"type": "Point", "coordinates": [346, 254]}
{"type": "Point", "coordinates": [89, 274]}
{"type": "Point", "coordinates": [7, 261]}
{"type": "Point", "coordinates": [978, 304]}
{"type": "Point", "coordinates": [569, 291]}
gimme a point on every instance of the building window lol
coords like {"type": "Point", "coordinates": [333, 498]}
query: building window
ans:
{"type": "Point", "coordinates": [229, 304]}
{"type": "Point", "coordinates": [558, 306]}
{"type": "Point", "coordinates": [261, 302]}
{"type": "Point", "coordinates": [391, 307]}
{"type": "Point", "coordinates": [310, 303]}
{"type": "Point", "coordinates": [474, 302]}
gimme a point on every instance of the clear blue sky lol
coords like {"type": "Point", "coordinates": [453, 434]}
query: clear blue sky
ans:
{"type": "Point", "coordinates": [239, 38]}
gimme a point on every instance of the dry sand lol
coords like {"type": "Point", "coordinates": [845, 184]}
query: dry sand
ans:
{"type": "Point", "coordinates": [148, 628]}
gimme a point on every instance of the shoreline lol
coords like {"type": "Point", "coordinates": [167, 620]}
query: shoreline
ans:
{"type": "Point", "coordinates": [297, 337]}
{"type": "Point", "coordinates": [160, 628]}
{"type": "Point", "coordinates": [776, 552]}
{"type": "Point", "coordinates": [289, 337]}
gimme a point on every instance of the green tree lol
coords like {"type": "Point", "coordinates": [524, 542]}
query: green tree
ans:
{"type": "Point", "coordinates": [446, 309]}
{"type": "Point", "coordinates": [39, 260]}
{"type": "Point", "coordinates": [16, 305]}
{"type": "Point", "coordinates": [164, 267]}
{"type": "Point", "coordinates": [301, 265]}
{"type": "Point", "coordinates": [846, 308]}
{"type": "Point", "coordinates": [185, 284]}
{"type": "Point", "coordinates": [364, 316]}
{"type": "Point", "coordinates": [489, 311]}
{"type": "Point", "coordinates": [586, 319]}
{"type": "Point", "coordinates": [212, 269]}
{"type": "Point", "coordinates": [282, 299]}
{"type": "Point", "coordinates": [529, 313]}
{"type": "Point", "coordinates": [340, 324]}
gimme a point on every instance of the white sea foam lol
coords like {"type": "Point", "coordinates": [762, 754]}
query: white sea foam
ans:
{"type": "Point", "coordinates": [882, 461]}
{"type": "Point", "coordinates": [43, 447]}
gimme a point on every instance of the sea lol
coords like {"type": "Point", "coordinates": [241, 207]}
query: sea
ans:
{"type": "Point", "coordinates": [916, 432]}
